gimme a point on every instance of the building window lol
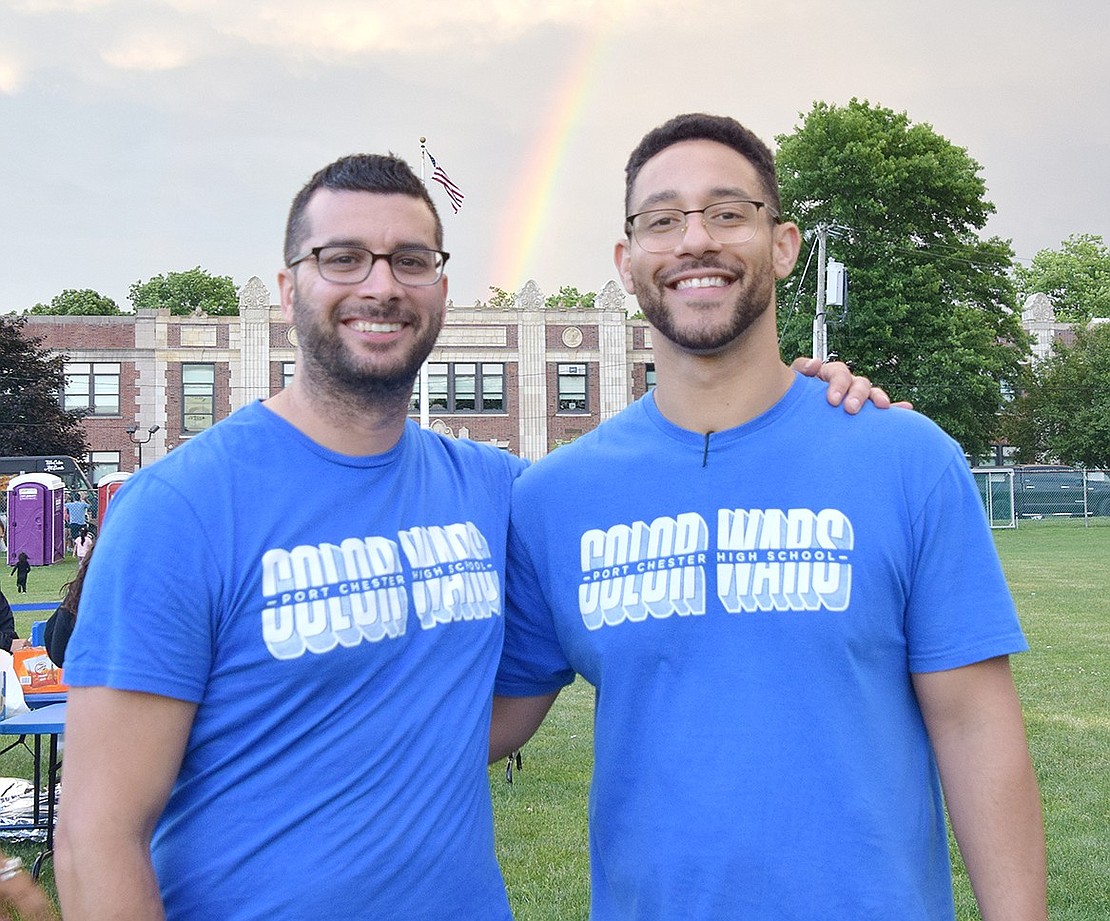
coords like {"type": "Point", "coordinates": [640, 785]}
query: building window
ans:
{"type": "Point", "coordinates": [287, 369]}
{"type": "Point", "coordinates": [92, 387]}
{"type": "Point", "coordinates": [573, 396]}
{"type": "Point", "coordinates": [198, 397]}
{"type": "Point", "coordinates": [463, 387]}
{"type": "Point", "coordinates": [649, 375]}
{"type": "Point", "coordinates": [101, 463]}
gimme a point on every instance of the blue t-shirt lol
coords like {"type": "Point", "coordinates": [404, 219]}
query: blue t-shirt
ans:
{"type": "Point", "coordinates": [750, 608]}
{"type": "Point", "coordinates": [338, 621]}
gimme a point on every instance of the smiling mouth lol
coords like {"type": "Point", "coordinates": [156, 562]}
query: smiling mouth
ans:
{"type": "Point", "coordinates": [374, 326]}
{"type": "Point", "coordinates": [711, 281]}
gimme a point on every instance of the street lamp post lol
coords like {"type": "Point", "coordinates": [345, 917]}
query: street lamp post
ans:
{"type": "Point", "coordinates": [140, 441]}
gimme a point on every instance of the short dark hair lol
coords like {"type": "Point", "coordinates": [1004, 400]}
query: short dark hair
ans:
{"type": "Point", "coordinates": [383, 174]}
{"type": "Point", "coordinates": [701, 127]}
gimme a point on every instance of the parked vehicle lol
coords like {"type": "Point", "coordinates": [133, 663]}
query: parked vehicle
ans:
{"type": "Point", "coordinates": [1045, 491]}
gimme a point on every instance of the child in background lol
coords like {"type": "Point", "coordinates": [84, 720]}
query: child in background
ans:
{"type": "Point", "coordinates": [20, 570]}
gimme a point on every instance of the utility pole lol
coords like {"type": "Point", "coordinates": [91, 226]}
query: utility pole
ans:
{"type": "Point", "coordinates": [820, 333]}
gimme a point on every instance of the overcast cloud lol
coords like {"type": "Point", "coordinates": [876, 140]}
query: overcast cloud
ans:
{"type": "Point", "coordinates": [139, 137]}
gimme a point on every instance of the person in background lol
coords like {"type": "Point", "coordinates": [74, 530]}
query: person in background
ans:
{"type": "Point", "coordinates": [796, 622]}
{"type": "Point", "coordinates": [20, 893]}
{"type": "Point", "coordinates": [21, 570]}
{"type": "Point", "coordinates": [77, 514]}
{"type": "Point", "coordinates": [9, 639]}
{"type": "Point", "coordinates": [60, 625]}
{"type": "Point", "coordinates": [82, 544]}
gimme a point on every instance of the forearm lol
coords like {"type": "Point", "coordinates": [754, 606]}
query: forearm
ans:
{"type": "Point", "coordinates": [113, 879]}
{"type": "Point", "coordinates": [995, 809]}
{"type": "Point", "coordinates": [978, 735]}
{"type": "Point", "coordinates": [514, 721]}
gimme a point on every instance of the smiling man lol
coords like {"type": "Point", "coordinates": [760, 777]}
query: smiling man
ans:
{"type": "Point", "coordinates": [280, 678]}
{"type": "Point", "coordinates": [795, 621]}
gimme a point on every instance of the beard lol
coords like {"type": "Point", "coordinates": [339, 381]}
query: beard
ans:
{"type": "Point", "coordinates": [335, 370]}
{"type": "Point", "coordinates": [752, 299]}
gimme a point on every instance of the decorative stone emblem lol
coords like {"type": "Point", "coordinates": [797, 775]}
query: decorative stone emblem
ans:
{"type": "Point", "coordinates": [572, 337]}
{"type": "Point", "coordinates": [530, 297]}
{"type": "Point", "coordinates": [612, 297]}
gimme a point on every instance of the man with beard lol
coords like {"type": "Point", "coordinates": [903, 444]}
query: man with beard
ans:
{"type": "Point", "coordinates": [280, 698]}
{"type": "Point", "coordinates": [796, 623]}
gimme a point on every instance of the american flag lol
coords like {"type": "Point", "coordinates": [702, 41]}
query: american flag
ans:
{"type": "Point", "coordinates": [453, 191]}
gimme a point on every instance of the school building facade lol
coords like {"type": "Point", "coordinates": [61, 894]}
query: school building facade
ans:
{"type": "Point", "coordinates": [525, 378]}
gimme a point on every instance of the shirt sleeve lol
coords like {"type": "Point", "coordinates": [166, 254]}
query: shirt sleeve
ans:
{"type": "Point", "coordinates": [532, 660]}
{"type": "Point", "coordinates": [147, 612]}
{"type": "Point", "coordinates": [960, 610]}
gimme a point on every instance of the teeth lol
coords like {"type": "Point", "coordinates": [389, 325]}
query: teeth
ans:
{"type": "Point", "coordinates": [714, 281]}
{"type": "Point", "coordinates": [366, 326]}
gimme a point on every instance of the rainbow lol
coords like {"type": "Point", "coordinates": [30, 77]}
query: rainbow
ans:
{"type": "Point", "coordinates": [530, 200]}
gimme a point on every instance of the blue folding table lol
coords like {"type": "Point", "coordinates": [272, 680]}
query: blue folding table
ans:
{"type": "Point", "coordinates": [47, 721]}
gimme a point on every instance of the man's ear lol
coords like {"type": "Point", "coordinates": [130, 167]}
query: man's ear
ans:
{"type": "Point", "coordinates": [286, 285]}
{"type": "Point", "coordinates": [785, 248]}
{"type": "Point", "coordinates": [622, 256]}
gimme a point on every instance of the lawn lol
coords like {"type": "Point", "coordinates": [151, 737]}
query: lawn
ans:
{"type": "Point", "coordinates": [1060, 579]}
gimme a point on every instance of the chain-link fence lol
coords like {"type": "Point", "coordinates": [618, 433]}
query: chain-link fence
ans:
{"type": "Point", "coordinates": [1012, 495]}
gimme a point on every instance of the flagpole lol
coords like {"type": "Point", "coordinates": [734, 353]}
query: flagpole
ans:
{"type": "Point", "coordinates": [424, 414]}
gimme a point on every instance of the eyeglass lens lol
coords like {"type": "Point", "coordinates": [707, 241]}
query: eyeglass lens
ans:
{"type": "Point", "coordinates": [726, 222]}
{"type": "Point", "coordinates": [352, 264]}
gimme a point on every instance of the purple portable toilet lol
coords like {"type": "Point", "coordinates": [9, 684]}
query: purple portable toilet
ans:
{"type": "Point", "coordinates": [36, 518]}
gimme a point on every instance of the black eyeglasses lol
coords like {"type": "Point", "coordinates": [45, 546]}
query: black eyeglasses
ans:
{"type": "Point", "coordinates": [350, 265]}
{"type": "Point", "coordinates": [727, 222]}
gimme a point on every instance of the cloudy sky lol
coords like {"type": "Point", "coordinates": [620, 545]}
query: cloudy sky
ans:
{"type": "Point", "coordinates": [139, 137]}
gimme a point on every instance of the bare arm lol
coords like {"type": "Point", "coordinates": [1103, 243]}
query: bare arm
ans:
{"type": "Point", "coordinates": [975, 723]}
{"type": "Point", "coordinates": [844, 387]}
{"type": "Point", "coordinates": [123, 753]}
{"type": "Point", "coordinates": [515, 720]}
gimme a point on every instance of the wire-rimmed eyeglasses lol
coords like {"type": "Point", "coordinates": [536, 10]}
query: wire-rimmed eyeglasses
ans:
{"type": "Point", "coordinates": [727, 222]}
{"type": "Point", "coordinates": [350, 265]}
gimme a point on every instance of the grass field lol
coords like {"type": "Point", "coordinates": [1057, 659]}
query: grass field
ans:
{"type": "Point", "coordinates": [1060, 578]}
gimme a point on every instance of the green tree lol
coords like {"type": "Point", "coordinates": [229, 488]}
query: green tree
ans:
{"type": "Point", "coordinates": [931, 311]}
{"type": "Point", "coordinates": [32, 420]}
{"type": "Point", "coordinates": [1063, 413]}
{"type": "Point", "coordinates": [186, 292]}
{"type": "Point", "coordinates": [79, 302]}
{"type": "Point", "coordinates": [571, 298]}
{"type": "Point", "coordinates": [1076, 277]}
{"type": "Point", "coordinates": [500, 299]}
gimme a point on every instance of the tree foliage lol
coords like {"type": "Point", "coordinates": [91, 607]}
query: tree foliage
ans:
{"type": "Point", "coordinates": [571, 298]}
{"type": "Point", "coordinates": [32, 420]}
{"type": "Point", "coordinates": [931, 311]}
{"type": "Point", "coordinates": [79, 302]}
{"type": "Point", "coordinates": [1063, 412]}
{"type": "Point", "coordinates": [187, 292]}
{"type": "Point", "coordinates": [1076, 277]}
{"type": "Point", "coordinates": [500, 299]}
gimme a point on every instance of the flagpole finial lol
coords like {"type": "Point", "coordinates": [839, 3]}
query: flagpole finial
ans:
{"type": "Point", "coordinates": [423, 139]}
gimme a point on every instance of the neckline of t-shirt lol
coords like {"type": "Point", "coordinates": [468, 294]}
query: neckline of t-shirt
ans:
{"type": "Point", "coordinates": [725, 436]}
{"type": "Point", "coordinates": [361, 461]}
